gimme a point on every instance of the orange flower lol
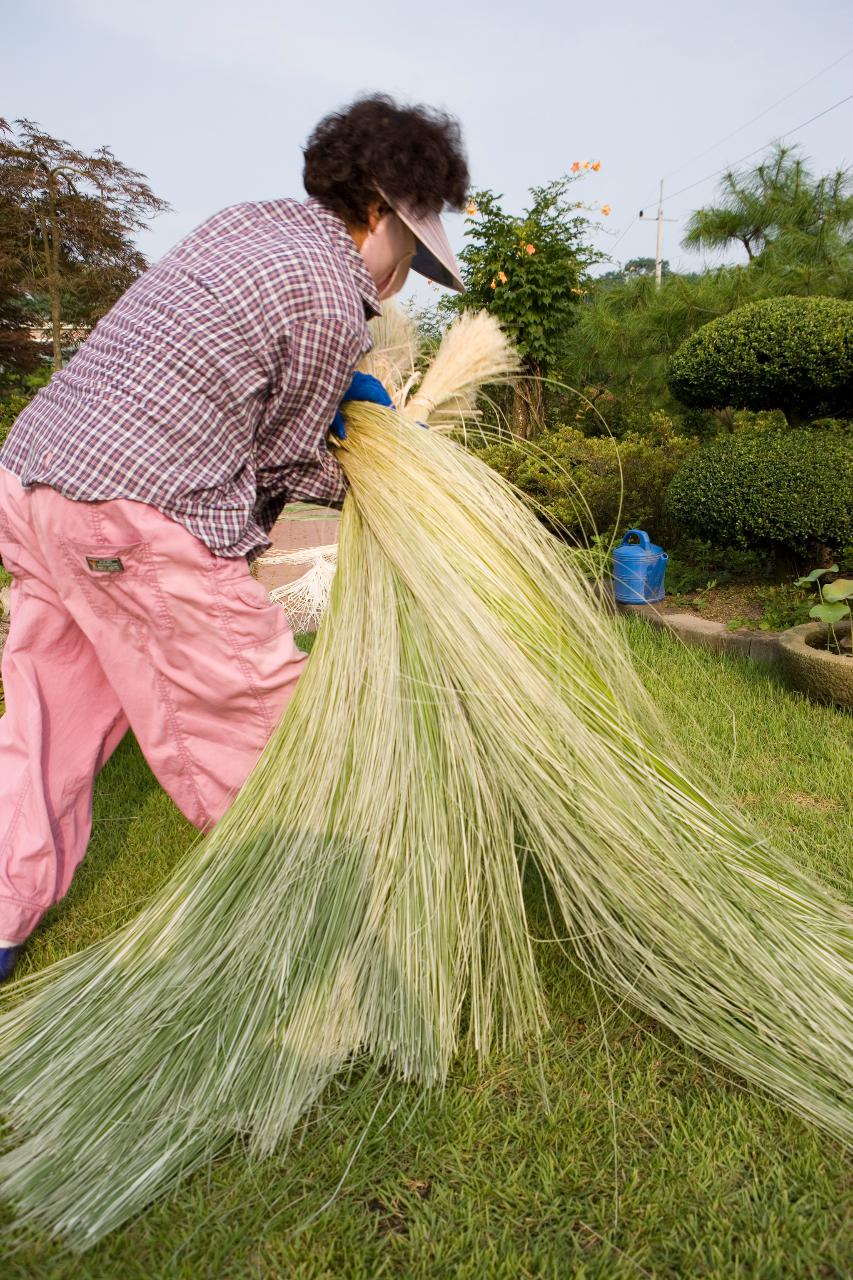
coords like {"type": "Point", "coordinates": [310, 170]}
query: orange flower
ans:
{"type": "Point", "coordinates": [493, 285]}
{"type": "Point", "coordinates": [472, 208]}
{"type": "Point", "coordinates": [596, 165]}
{"type": "Point", "coordinates": [530, 248]}
{"type": "Point", "coordinates": [502, 277]}
{"type": "Point", "coordinates": [586, 164]}
{"type": "Point", "coordinates": [576, 166]}
{"type": "Point", "coordinates": [605, 209]}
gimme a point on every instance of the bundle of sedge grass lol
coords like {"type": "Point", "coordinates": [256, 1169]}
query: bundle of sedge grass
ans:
{"type": "Point", "coordinates": [473, 352]}
{"type": "Point", "coordinates": [466, 706]}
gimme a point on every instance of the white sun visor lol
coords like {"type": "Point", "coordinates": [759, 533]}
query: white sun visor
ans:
{"type": "Point", "coordinates": [434, 257]}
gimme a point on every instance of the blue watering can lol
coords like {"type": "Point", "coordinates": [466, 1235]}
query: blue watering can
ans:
{"type": "Point", "coordinates": [638, 569]}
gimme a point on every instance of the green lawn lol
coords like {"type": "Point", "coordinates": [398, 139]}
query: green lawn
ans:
{"type": "Point", "coordinates": [637, 1161]}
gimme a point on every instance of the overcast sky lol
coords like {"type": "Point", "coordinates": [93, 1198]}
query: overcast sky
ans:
{"type": "Point", "coordinates": [213, 99]}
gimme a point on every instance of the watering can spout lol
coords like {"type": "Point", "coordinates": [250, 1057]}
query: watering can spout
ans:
{"type": "Point", "coordinates": [638, 569]}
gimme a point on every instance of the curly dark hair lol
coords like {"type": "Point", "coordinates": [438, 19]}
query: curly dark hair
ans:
{"type": "Point", "coordinates": [412, 153]}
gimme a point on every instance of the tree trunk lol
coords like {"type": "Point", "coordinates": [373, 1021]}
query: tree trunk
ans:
{"type": "Point", "coordinates": [795, 417]}
{"type": "Point", "coordinates": [56, 326]}
{"type": "Point", "coordinates": [822, 556]}
{"type": "Point", "coordinates": [725, 417]}
{"type": "Point", "coordinates": [528, 417]}
{"type": "Point", "coordinates": [50, 239]}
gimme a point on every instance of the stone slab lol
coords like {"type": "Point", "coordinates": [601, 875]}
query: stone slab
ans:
{"type": "Point", "coordinates": [738, 643]}
{"type": "Point", "coordinates": [765, 649]}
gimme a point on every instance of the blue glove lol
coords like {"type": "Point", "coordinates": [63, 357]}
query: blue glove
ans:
{"type": "Point", "coordinates": [363, 387]}
{"type": "Point", "coordinates": [8, 956]}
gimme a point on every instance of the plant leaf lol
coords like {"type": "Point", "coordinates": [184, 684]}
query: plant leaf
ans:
{"type": "Point", "coordinates": [814, 575]}
{"type": "Point", "coordinates": [830, 613]}
{"type": "Point", "coordinates": [841, 589]}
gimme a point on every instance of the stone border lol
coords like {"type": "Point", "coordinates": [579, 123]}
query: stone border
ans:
{"type": "Point", "coordinates": [760, 646]}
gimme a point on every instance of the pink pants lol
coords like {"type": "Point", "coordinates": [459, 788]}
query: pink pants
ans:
{"type": "Point", "coordinates": [120, 617]}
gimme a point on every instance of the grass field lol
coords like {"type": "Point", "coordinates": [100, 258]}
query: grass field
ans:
{"type": "Point", "coordinates": [613, 1154]}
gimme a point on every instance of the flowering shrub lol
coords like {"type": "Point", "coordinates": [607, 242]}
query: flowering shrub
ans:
{"type": "Point", "coordinates": [529, 271]}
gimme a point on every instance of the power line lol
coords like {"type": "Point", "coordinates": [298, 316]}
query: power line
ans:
{"type": "Point", "coordinates": [760, 115]}
{"type": "Point", "coordinates": [740, 160]}
{"type": "Point", "coordinates": [625, 232]}
{"type": "Point", "coordinates": [763, 147]}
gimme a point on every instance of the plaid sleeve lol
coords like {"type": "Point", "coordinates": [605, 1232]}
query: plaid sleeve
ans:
{"type": "Point", "coordinates": [293, 461]}
{"type": "Point", "coordinates": [268, 507]}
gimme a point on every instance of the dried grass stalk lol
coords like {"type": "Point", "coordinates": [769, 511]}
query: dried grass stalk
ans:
{"type": "Point", "coordinates": [306, 598]}
{"type": "Point", "coordinates": [396, 351]}
{"type": "Point", "coordinates": [473, 352]}
{"type": "Point", "coordinates": [466, 702]}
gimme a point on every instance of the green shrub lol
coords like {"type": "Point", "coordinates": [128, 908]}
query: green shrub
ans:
{"type": "Point", "coordinates": [597, 412]}
{"type": "Point", "coordinates": [575, 480]}
{"type": "Point", "coordinates": [793, 354]}
{"type": "Point", "coordinates": [774, 489]}
{"type": "Point", "coordinates": [16, 392]}
{"type": "Point", "coordinates": [694, 562]}
{"type": "Point", "coordinates": [832, 424]}
{"type": "Point", "coordinates": [9, 410]}
{"type": "Point", "coordinates": [758, 420]}
{"type": "Point", "coordinates": [783, 606]}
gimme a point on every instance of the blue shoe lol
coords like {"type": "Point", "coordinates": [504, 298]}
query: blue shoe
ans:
{"type": "Point", "coordinates": [8, 960]}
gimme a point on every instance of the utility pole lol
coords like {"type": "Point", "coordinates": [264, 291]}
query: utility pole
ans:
{"type": "Point", "coordinates": [659, 249]}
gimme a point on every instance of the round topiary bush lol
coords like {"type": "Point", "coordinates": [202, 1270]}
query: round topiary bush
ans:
{"type": "Point", "coordinates": [793, 354]}
{"type": "Point", "coordinates": [790, 489]}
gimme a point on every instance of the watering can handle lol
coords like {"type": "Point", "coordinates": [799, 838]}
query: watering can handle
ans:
{"type": "Point", "coordinates": [641, 536]}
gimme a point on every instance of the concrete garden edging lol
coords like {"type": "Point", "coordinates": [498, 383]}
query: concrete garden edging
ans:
{"type": "Point", "coordinates": [759, 646]}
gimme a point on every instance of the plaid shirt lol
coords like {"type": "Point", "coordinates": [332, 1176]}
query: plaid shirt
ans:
{"type": "Point", "coordinates": [209, 388]}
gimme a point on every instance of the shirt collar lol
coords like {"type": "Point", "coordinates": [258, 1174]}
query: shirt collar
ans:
{"type": "Point", "coordinates": [336, 230]}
